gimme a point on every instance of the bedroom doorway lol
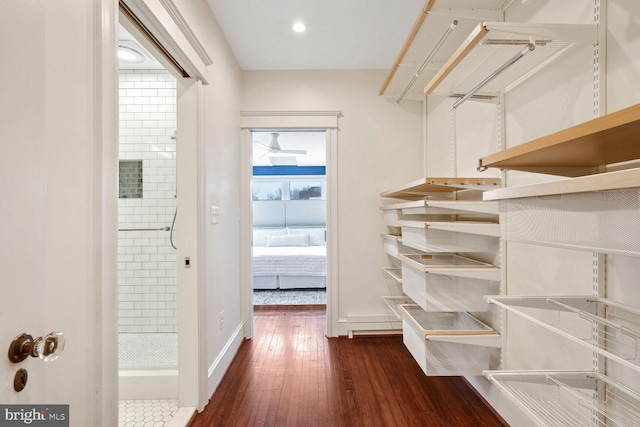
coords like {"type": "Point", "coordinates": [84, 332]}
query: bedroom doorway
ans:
{"type": "Point", "coordinates": [289, 217]}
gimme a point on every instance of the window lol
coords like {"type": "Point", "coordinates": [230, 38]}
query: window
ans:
{"type": "Point", "coordinates": [265, 190]}
{"type": "Point", "coordinates": [300, 190]}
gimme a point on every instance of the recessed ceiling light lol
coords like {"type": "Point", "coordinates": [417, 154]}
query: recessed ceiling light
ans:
{"type": "Point", "coordinates": [299, 27]}
{"type": "Point", "coordinates": [129, 55]}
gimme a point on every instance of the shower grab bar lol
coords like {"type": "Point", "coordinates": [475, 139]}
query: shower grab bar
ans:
{"type": "Point", "coordinates": [167, 228]}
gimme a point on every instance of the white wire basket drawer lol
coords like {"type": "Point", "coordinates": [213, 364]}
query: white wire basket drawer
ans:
{"type": "Point", "coordinates": [604, 221]}
{"type": "Point", "coordinates": [391, 215]}
{"type": "Point", "coordinates": [393, 274]}
{"type": "Point", "coordinates": [391, 244]}
{"type": "Point", "coordinates": [569, 398]}
{"type": "Point", "coordinates": [603, 326]}
{"type": "Point", "coordinates": [446, 344]}
{"type": "Point", "coordinates": [454, 236]}
{"type": "Point", "coordinates": [447, 282]}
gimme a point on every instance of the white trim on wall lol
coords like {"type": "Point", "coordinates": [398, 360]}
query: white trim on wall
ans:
{"type": "Point", "coordinates": [264, 120]}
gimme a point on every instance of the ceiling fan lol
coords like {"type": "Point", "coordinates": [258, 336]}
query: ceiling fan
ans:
{"type": "Point", "coordinates": [274, 146]}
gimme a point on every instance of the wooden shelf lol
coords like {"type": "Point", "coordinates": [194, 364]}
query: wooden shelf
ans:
{"type": "Point", "coordinates": [492, 44]}
{"type": "Point", "coordinates": [608, 139]}
{"type": "Point", "coordinates": [421, 188]}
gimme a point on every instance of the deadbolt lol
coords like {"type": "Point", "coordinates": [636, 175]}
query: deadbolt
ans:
{"type": "Point", "coordinates": [20, 379]}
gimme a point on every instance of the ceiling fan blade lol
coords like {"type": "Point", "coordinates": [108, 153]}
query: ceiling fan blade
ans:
{"type": "Point", "coordinates": [265, 146]}
{"type": "Point", "coordinates": [293, 151]}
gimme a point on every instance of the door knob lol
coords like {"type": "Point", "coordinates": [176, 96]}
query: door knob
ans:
{"type": "Point", "coordinates": [47, 348]}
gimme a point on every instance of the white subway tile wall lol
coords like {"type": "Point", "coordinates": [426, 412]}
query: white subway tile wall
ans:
{"type": "Point", "coordinates": [147, 292]}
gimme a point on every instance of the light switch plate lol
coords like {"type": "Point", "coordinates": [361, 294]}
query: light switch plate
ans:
{"type": "Point", "coordinates": [215, 214]}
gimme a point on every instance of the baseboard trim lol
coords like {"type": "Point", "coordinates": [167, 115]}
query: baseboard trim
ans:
{"type": "Point", "coordinates": [361, 324]}
{"type": "Point", "coordinates": [225, 357]}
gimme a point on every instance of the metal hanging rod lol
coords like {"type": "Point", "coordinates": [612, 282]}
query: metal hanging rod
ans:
{"type": "Point", "coordinates": [167, 228]}
{"type": "Point", "coordinates": [437, 47]}
{"type": "Point", "coordinates": [529, 48]}
{"type": "Point", "coordinates": [482, 97]}
{"type": "Point", "coordinates": [514, 42]}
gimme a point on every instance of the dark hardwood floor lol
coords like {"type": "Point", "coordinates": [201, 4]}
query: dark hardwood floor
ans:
{"type": "Point", "coordinates": [290, 374]}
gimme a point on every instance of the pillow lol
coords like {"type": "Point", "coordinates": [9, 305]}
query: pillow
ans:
{"type": "Point", "coordinates": [260, 236]}
{"type": "Point", "coordinates": [317, 236]}
{"type": "Point", "coordinates": [289, 240]}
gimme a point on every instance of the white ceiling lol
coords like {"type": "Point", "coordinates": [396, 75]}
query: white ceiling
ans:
{"type": "Point", "coordinates": [341, 34]}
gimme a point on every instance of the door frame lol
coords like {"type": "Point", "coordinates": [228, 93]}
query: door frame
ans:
{"type": "Point", "coordinates": [162, 18]}
{"type": "Point", "coordinates": [290, 120]}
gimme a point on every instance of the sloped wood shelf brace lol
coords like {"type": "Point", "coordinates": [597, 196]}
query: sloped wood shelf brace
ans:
{"type": "Point", "coordinates": [477, 57]}
{"type": "Point", "coordinates": [453, 26]}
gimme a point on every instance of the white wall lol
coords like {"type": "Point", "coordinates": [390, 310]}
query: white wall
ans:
{"type": "Point", "coordinates": [377, 146]}
{"type": "Point", "coordinates": [147, 294]}
{"type": "Point", "coordinates": [221, 182]}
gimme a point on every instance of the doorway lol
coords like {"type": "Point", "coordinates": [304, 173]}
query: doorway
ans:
{"type": "Point", "coordinates": [278, 122]}
{"type": "Point", "coordinates": [289, 211]}
{"type": "Point", "coordinates": [147, 225]}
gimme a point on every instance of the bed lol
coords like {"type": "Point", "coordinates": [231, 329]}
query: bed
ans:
{"type": "Point", "coordinates": [289, 258]}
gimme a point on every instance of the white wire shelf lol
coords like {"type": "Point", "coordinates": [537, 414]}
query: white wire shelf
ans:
{"type": "Point", "coordinates": [561, 399]}
{"type": "Point", "coordinates": [603, 326]}
{"type": "Point", "coordinates": [394, 303]}
{"type": "Point", "coordinates": [604, 221]}
{"type": "Point", "coordinates": [395, 273]}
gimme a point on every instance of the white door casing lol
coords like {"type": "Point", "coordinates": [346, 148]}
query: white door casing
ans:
{"type": "Point", "coordinates": [290, 120]}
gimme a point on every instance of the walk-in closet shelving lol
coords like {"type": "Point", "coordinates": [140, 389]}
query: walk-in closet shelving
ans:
{"type": "Point", "coordinates": [596, 213]}
{"type": "Point", "coordinates": [561, 399]}
{"type": "Point", "coordinates": [443, 223]}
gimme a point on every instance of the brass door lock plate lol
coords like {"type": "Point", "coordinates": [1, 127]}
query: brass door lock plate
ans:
{"type": "Point", "coordinates": [20, 380]}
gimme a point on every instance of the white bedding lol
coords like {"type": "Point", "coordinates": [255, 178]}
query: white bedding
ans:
{"type": "Point", "coordinates": [290, 261]}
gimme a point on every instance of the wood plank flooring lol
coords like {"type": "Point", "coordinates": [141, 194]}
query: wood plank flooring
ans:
{"type": "Point", "coordinates": [290, 374]}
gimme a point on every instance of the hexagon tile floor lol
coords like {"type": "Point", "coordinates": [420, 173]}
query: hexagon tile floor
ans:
{"type": "Point", "coordinates": [146, 413]}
